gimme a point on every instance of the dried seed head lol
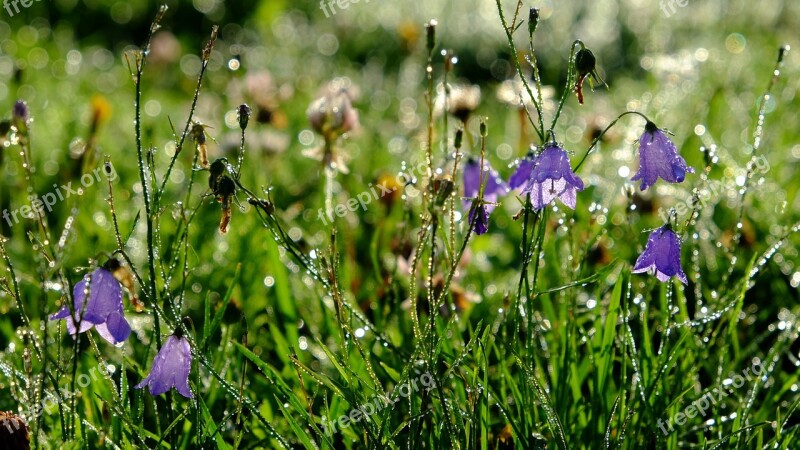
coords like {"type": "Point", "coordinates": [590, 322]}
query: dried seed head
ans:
{"type": "Point", "coordinates": [265, 205]}
{"type": "Point", "coordinates": [225, 219]}
{"type": "Point", "coordinates": [332, 115]}
{"type": "Point", "coordinates": [198, 133]}
{"type": "Point", "coordinates": [461, 100]}
{"type": "Point", "coordinates": [226, 187]}
{"type": "Point", "coordinates": [225, 192]}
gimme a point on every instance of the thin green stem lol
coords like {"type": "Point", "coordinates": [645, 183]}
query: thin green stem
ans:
{"type": "Point", "coordinates": [140, 64]}
{"type": "Point", "coordinates": [206, 56]}
{"type": "Point", "coordinates": [568, 84]}
{"type": "Point", "coordinates": [603, 133]}
{"type": "Point", "coordinates": [540, 129]}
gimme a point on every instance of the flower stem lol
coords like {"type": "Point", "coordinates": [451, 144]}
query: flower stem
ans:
{"type": "Point", "coordinates": [603, 133]}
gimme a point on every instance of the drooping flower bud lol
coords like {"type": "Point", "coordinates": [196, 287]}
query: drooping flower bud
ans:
{"type": "Point", "coordinates": [585, 62]}
{"type": "Point", "coordinates": [215, 172]}
{"type": "Point", "coordinates": [586, 66]}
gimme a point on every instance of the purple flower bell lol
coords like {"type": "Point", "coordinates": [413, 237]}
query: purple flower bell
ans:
{"type": "Point", "coordinates": [658, 157]}
{"type": "Point", "coordinates": [171, 367]}
{"type": "Point", "coordinates": [662, 255]}
{"type": "Point", "coordinates": [482, 222]}
{"type": "Point", "coordinates": [495, 186]}
{"type": "Point", "coordinates": [552, 177]}
{"type": "Point", "coordinates": [103, 310]}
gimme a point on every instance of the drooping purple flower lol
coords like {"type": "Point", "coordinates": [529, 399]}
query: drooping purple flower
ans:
{"type": "Point", "coordinates": [494, 187]}
{"type": "Point", "coordinates": [482, 222]}
{"type": "Point", "coordinates": [553, 177]}
{"type": "Point", "coordinates": [103, 310]}
{"type": "Point", "coordinates": [171, 368]}
{"type": "Point", "coordinates": [662, 255]}
{"type": "Point", "coordinates": [658, 157]}
{"type": "Point", "coordinates": [523, 172]}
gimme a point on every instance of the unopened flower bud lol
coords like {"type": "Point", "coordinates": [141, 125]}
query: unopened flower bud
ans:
{"type": "Point", "coordinates": [430, 29]}
{"type": "Point", "coordinates": [20, 115]}
{"type": "Point", "coordinates": [533, 20]}
{"type": "Point", "coordinates": [244, 115]}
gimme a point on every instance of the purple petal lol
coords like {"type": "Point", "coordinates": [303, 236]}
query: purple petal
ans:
{"type": "Point", "coordinates": [523, 172]}
{"type": "Point", "coordinates": [61, 314]}
{"type": "Point", "coordinates": [472, 179]}
{"type": "Point", "coordinates": [662, 277]}
{"type": "Point", "coordinates": [569, 196]}
{"type": "Point", "coordinates": [495, 186]}
{"type": "Point", "coordinates": [115, 329]}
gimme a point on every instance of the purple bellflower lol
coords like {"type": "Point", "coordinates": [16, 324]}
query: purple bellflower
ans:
{"type": "Point", "coordinates": [552, 177]}
{"type": "Point", "coordinates": [171, 367]}
{"type": "Point", "coordinates": [658, 157]}
{"type": "Point", "coordinates": [102, 311]}
{"type": "Point", "coordinates": [482, 222]}
{"type": "Point", "coordinates": [662, 255]}
{"type": "Point", "coordinates": [494, 187]}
